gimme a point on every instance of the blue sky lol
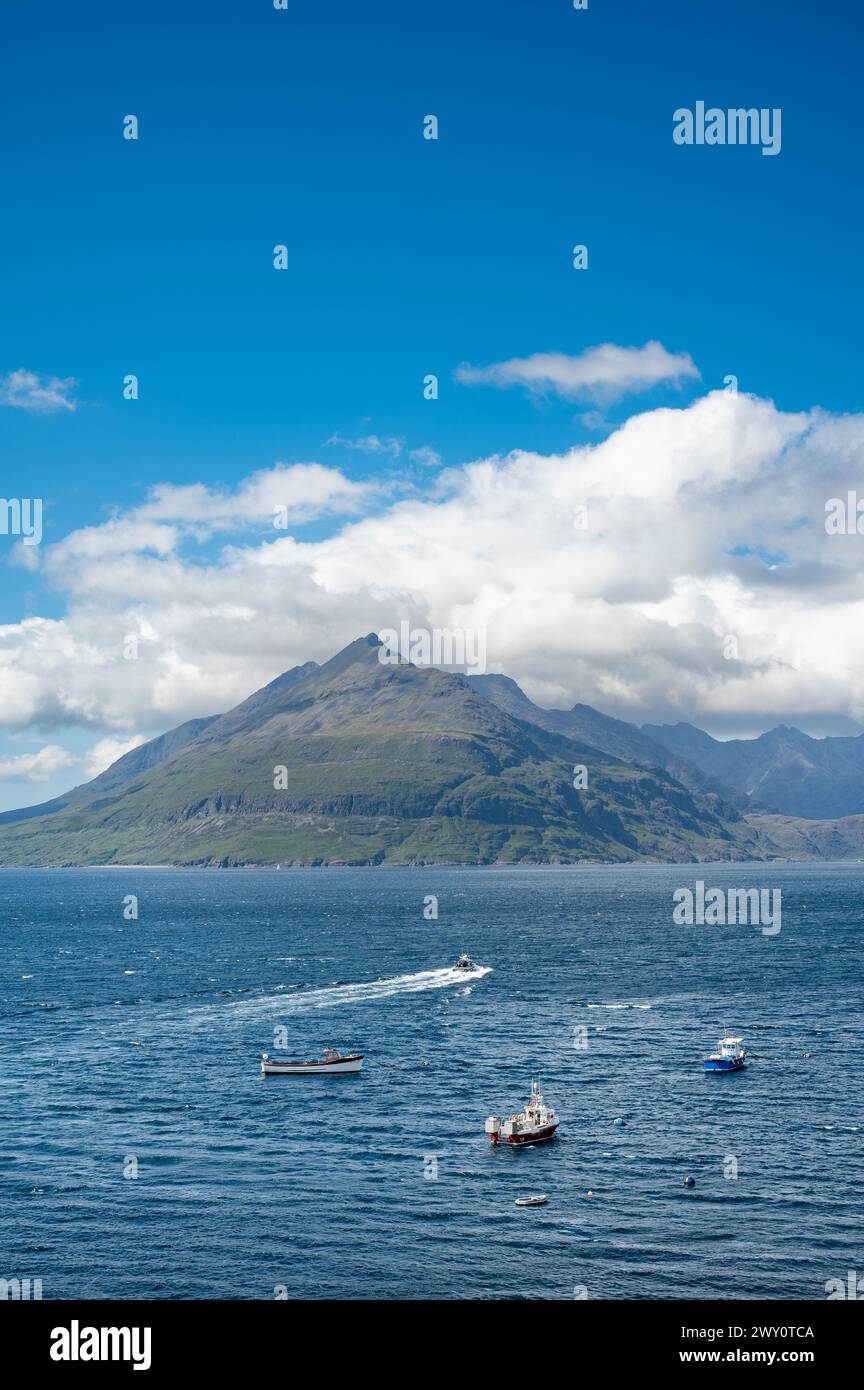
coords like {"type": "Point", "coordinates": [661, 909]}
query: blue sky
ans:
{"type": "Point", "coordinates": [406, 256]}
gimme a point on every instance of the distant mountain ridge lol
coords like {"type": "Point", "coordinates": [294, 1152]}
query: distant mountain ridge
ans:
{"type": "Point", "coordinates": [783, 771]}
{"type": "Point", "coordinates": [610, 735]}
{"type": "Point", "coordinates": [358, 761]}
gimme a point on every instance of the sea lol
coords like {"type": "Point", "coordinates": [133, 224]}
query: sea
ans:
{"type": "Point", "coordinates": [144, 1155]}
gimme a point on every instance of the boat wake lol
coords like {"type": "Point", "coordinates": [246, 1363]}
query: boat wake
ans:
{"type": "Point", "coordinates": [305, 1001]}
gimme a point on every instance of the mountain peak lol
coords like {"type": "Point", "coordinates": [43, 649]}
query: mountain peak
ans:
{"type": "Point", "coordinates": [362, 650]}
{"type": "Point", "coordinates": [366, 760]}
{"type": "Point", "coordinates": [788, 732]}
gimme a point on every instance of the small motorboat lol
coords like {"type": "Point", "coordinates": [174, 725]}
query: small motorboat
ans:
{"type": "Point", "coordinates": [730, 1056]}
{"type": "Point", "coordinates": [465, 963]}
{"type": "Point", "coordinates": [532, 1125]}
{"type": "Point", "coordinates": [331, 1063]}
{"type": "Point", "coordinates": [539, 1201]}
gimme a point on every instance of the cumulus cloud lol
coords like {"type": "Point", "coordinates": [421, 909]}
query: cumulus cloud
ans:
{"type": "Point", "coordinates": [107, 751]}
{"type": "Point", "coordinates": [274, 498]}
{"type": "Point", "coordinates": [602, 374]}
{"type": "Point", "coordinates": [46, 763]}
{"type": "Point", "coordinates": [44, 394]}
{"type": "Point", "coordinates": [36, 767]}
{"type": "Point", "coordinates": [614, 573]}
{"type": "Point", "coordinates": [303, 490]}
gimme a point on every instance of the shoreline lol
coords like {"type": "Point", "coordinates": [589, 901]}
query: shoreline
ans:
{"type": "Point", "coordinates": [697, 864]}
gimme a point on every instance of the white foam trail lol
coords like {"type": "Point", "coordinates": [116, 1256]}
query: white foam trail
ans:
{"type": "Point", "coordinates": [331, 998]}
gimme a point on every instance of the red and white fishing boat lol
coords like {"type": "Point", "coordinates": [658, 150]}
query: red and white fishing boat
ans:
{"type": "Point", "coordinates": [331, 1063]}
{"type": "Point", "coordinates": [532, 1125]}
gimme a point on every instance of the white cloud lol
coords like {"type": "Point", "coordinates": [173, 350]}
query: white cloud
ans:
{"type": "Point", "coordinates": [44, 394]}
{"type": "Point", "coordinates": [47, 762]}
{"type": "Point", "coordinates": [594, 421]}
{"type": "Point", "coordinates": [107, 751]}
{"type": "Point", "coordinates": [36, 767]}
{"type": "Point", "coordinates": [630, 614]}
{"type": "Point", "coordinates": [27, 556]}
{"type": "Point", "coordinates": [304, 490]}
{"type": "Point", "coordinates": [426, 457]}
{"type": "Point", "coordinates": [370, 444]}
{"type": "Point", "coordinates": [602, 373]}
{"type": "Point", "coordinates": [268, 500]}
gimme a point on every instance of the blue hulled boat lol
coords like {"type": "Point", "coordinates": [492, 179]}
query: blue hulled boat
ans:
{"type": "Point", "coordinates": [730, 1056]}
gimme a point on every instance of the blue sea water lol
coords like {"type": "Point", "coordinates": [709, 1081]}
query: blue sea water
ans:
{"type": "Point", "coordinates": [133, 1045]}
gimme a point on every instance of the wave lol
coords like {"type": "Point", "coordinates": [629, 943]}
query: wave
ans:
{"type": "Point", "coordinates": [619, 1006]}
{"type": "Point", "coordinates": [335, 995]}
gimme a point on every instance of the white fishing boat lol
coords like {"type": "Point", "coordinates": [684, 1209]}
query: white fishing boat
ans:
{"type": "Point", "coordinates": [465, 963]}
{"type": "Point", "coordinates": [532, 1125]}
{"type": "Point", "coordinates": [730, 1055]}
{"type": "Point", "coordinates": [330, 1064]}
{"type": "Point", "coordinates": [539, 1201]}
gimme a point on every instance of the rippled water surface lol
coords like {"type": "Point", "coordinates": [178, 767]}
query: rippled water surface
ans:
{"type": "Point", "coordinates": [135, 1043]}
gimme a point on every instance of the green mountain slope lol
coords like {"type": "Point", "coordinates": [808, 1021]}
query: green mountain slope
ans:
{"type": "Point", "coordinates": [614, 736]}
{"type": "Point", "coordinates": [358, 762]}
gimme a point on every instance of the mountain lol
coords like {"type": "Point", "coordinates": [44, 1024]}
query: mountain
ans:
{"type": "Point", "coordinates": [361, 762]}
{"type": "Point", "coordinates": [812, 839]}
{"type": "Point", "coordinates": [783, 771]}
{"type": "Point", "coordinates": [613, 736]}
{"type": "Point", "coordinates": [139, 759]}
{"type": "Point", "coordinates": [581, 722]}
{"type": "Point", "coordinates": [159, 750]}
